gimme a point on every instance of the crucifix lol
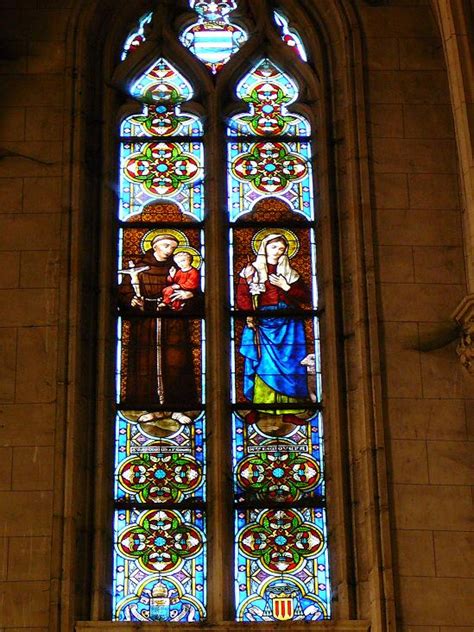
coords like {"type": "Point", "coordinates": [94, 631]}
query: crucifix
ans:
{"type": "Point", "coordinates": [134, 272]}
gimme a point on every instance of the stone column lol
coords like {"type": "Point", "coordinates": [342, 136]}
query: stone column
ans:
{"type": "Point", "coordinates": [455, 19]}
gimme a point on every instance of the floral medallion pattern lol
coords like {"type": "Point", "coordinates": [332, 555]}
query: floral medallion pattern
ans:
{"type": "Point", "coordinates": [281, 540]}
{"type": "Point", "coordinates": [279, 476]}
{"type": "Point", "coordinates": [160, 541]}
{"type": "Point", "coordinates": [268, 92]}
{"type": "Point", "coordinates": [162, 168]}
{"type": "Point", "coordinates": [160, 478]}
{"type": "Point", "coordinates": [269, 167]}
{"type": "Point", "coordinates": [162, 119]}
{"type": "Point", "coordinates": [267, 112]}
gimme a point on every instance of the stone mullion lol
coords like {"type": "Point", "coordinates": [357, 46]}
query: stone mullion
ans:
{"type": "Point", "coordinates": [453, 19]}
{"type": "Point", "coordinates": [456, 33]}
{"type": "Point", "coordinates": [220, 516]}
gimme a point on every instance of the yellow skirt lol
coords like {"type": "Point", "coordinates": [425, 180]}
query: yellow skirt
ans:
{"type": "Point", "coordinates": [264, 394]}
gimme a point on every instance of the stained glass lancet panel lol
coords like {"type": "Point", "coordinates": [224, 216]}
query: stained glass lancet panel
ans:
{"type": "Point", "coordinates": [160, 465]}
{"type": "Point", "coordinates": [281, 557]}
{"type": "Point", "coordinates": [213, 39]}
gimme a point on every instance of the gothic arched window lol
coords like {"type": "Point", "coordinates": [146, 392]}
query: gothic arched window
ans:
{"type": "Point", "coordinates": [225, 143]}
{"type": "Point", "coordinates": [271, 406]}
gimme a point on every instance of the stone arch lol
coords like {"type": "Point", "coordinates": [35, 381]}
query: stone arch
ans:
{"type": "Point", "coordinates": [360, 524]}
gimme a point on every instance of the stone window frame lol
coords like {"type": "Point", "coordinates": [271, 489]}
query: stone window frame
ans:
{"type": "Point", "coordinates": [359, 518]}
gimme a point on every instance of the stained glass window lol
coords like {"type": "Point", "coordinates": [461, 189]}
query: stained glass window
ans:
{"type": "Point", "coordinates": [137, 36]}
{"type": "Point", "coordinates": [281, 557]}
{"type": "Point", "coordinates": [160, 451]}
{"type": "Point", "coordinates": [290, 35]}
{"type": "Point", "coordinates": [213, 38]}
{"type": "Point", "coordinates": [275, 413]}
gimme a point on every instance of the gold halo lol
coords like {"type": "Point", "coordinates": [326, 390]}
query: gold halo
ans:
{"type": "Point", "coordinates": [197, 258]}
{"type": "Point", "coordinates": [289, 235]}
{"type": "Point", "coordinates": [151, 234]}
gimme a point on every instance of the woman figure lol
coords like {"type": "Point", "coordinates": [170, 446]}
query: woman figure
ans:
{"type": "Point", "coordinates": [273, 346]}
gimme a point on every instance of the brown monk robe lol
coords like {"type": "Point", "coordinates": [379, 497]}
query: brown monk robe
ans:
{"type": "Point", "coordinates": [160, 367]}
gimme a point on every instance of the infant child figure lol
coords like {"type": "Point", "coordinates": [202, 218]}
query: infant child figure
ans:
{"type": "Point", "coordinates": [184, 277]}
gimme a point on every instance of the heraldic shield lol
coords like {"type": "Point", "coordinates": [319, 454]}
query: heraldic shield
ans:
{"type": "Point", "coordinates": [283, 609]}
{"type": "Point", "coordinates": [282, 601]}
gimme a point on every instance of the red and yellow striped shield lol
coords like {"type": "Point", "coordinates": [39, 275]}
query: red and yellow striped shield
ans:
{"type": "Point", "coordinates": [283, 608]}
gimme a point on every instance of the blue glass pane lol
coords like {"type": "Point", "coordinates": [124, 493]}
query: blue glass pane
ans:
{"type": "Point", "coordinates": [268, 92]}
{"type": "Point", "coordinates": [281, 565]}
{"type": "Point", "coordinates": [137, 36]}
{"type": "Point", "coordinates": [159, 564]}
{"type": "Point", "coordinates": [213, 39]}
{"type": "Point", "coordinates": [159, 457]}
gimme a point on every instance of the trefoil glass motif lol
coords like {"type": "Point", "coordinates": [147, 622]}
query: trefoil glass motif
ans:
{"type": "Point", "coordinates": [137, 36]}
{"type": "Point", "coordinates": [213, 39]}
{"type": "Point", "coordinates": [281, 556]}
{"type": "Point", "coordinates": [160, 427]}
{"type": "Point", "coordinates": [290, 35]}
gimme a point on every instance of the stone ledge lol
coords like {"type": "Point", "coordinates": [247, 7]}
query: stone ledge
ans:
{"type": "Point", "coordinates": [326, 626]}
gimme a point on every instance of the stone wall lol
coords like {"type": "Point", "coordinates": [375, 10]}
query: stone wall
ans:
{"type": "Point", "coordinates": [428, 397]}
{"type": "Point", "coordinates": [429, 402]}
{"type": "Point", "coordinates": [32, 66]}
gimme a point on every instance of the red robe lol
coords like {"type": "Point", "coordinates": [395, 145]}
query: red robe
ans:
{"type": "Point", "coordinates": [296, 296]}
{"type": "Point", "coordinates": [186, 280]}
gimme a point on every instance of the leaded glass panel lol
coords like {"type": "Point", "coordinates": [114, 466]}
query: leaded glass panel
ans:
{"type": "Point", "coordinates": [276, 460]}
{"type": "Point", "coordinates": [137, 36]}
{"type": "Point", "coordinates": [290, 35]}
{"type": "Point", "coordinates": [276, 353]}
{"type": "Point", "coordinates": [258, 170]}
{"type": "Point", "coordinates": [278, 454]}
{"type": "Point", "coordinates": [160, 565]}
{"type": "Point", "coordinates": [161, 170]}
{"type": "Point", "coordinates": [268, 92]}
{"type": "Point", "coordinates": [281, 565]}
{"type": "Point", "coordinates": [160, 465]}
{"type": "Point", "coordinates": [160, 457]}
{"type": "Point", "coordinates": [213, 39]}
